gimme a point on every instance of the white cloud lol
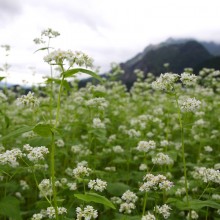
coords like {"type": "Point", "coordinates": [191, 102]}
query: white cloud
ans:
{"type": "Point", "coordinates": [111, 30]}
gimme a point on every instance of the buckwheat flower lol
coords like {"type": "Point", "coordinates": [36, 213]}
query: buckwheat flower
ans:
{"type": "Point", "coordinates": [143, 167]}
{"type": "Point", "coordinates": [81, 171]}
{"type": "Point", "coordinates": [24, 185]}
{"type": "Point", "coordinates": [38, 216]}
{"type": "Point", "coordinates": [165, 82]}
{"type": "Point", "coordinates": [208, 149]}
{"type": "Point", "coordinates": [132, 133]}
{"type": "Point", "coordinates": [190, 105]}
{"type": "Point", "coordinates": [216, 196]}
{"type": "Point", "coordinates": [162, 159]}
{"type": "Point", "coordinates": [50, 33]}
{"type": "Point", "coordinates": [163, 210]}
{"type": "Point", "coordinates": [97, 185]}
{"type": "Point", "coordinates": [83, 163]}
{"type": "Point", "coordinates": [60, 143]}
{"type": "Point", "coordinates": [188, 78]}
{"type": "Point", "coordinates": [149, 216]}
{"type": "Point", "coordinates": [36, 153]}
{"type": "Point", "coordinates": [45, 188]}
{"type": "Point", "coordinates": [28, 100]}
{"type": "Point", "coordinates": [50, 212]}
{"type": "Point", "coordinates": [116, 200]}
{"type": "Point", "coordinates": [194, 215]}
{"type": "Point", "coordinates": [127, 207]}
{"type": "Point", "coordinates": [97, 103]}
{"type": "Point", "coordinates": [87, 213]}
{"type": "Point", "coordinates": [72, 186]}
{"type": "Point", "coordinates": [129, 196]}
{"type": "Point", "coordinates": [10, 157]}
{"type": "Point", "coordinates": [207, 175]}
{"type": "Point", "coordinates": [113, 169]}
{"type": "Point", "coordinates": [164, 143]}
{"type": "Point", "coordinates": [39, 41]}
{"type": "Point", "coordinates": [155, 182]}
{"type": "Point", "coordinates": [118, 149]}
{"type": "Point", "coordinates": [145, 146]}
{"type": "Point", "coordinates": [97, 123]}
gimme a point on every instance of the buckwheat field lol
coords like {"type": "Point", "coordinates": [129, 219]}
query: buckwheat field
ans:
{"type": "Point", "coordinates": [109, 153]}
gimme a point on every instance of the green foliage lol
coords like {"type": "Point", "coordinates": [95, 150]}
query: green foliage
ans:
{"type": "Point", "coordinates": [94, 197]}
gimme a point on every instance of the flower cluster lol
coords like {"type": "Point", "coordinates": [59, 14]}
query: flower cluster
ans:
{"type": "Point", "coordinates": [163, 210]}
{"type": "Point", "coordinates": [97, 185]}
{"type": "Point", "coordinates": [35, 153]}
{"type": "Point", "coordinates": [149, 216]}
{"type": "Point", "coordinates": [46, 33]}
{"type": "Point", "coordinates": [81, 171]}
{"type": "Point", "coordinates": [155, 183]}
{"type": "Point", "coordinates": [97, 123]}
{"type": "Point", "coordinates": [28, 100]}
{"type": "Point", "coordinates": [49, 213]}
{"type": "Point", "coordinates": [145, 146]}
{"type": "Point", "coordinates": [190, 105]}
{"type": "Point", "coordinates": [60, 56]}
{"type": "Point", "coordinates": [87, 213]}
{"type": "Point", "coordinates": [45, 188]}
{"type": "Point", "coordinates": [128, 205]}
{"type": "Point", "coordinates": [188, 78]}
{"type": "Point", "coordinates": [99, 103]}
{"type": "Point", "coordinates": [207, 174]}
{"type": "Point", "coordinates": [10, 157]}
{"type": "Point", "coordinates": [162, 159]}
{"type": "Point", "coordinates": [165, 82]}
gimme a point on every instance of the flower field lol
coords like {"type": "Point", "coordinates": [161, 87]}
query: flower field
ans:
{"type": "Point", "coordinates": [103, 152]}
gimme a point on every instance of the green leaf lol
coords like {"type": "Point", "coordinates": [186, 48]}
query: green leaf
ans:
{"type": "Point", "coordinates": [43, 130]}
{"type": "Point", "coordinates": [1, 77]}
{"type": "Point", "coordinates": [72, 72]}
{"type": "Point", "coordinates": [117, 189]}
{"type": "Point", "coordinates": [58, 81]}
{"type": "Point", "coordinates": [17, 132]}
{"type": "Point", "coordinates": [9, 206]}
{"type": "Point", "coordinates": [193, 204]}
{"type": "Point", "coordinates": [43, 48]}
{"type": "Point", "coordinates": [94, 197]}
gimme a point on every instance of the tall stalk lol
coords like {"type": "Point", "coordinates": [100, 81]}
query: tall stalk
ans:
{"type": "Point", "coordinates": [182, 146]}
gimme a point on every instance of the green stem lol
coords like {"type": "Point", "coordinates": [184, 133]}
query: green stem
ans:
{"type": "Point", "coordinates": [183, 147]}
{"type": "Point", "coordinates": [145, 203]}
{"type": "Point", "coordinates": [52, 172]}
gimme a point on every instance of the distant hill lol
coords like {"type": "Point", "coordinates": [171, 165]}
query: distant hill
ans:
{"type": "Point", "coordinates": [179, 53]}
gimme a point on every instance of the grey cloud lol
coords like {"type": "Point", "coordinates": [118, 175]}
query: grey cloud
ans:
{"type": "Point", "coordinates": [9, 9]}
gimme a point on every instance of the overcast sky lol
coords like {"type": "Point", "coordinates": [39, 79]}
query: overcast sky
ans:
{"type": "Point", "coordinates": [107, 30]}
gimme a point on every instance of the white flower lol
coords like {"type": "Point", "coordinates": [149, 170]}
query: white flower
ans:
{"type": "Point", "coordinates": [118, 149]}
{"type": "Point", "coordinates": [162, 159]}
{"type": "Point", "coordinates": [97, 123]}
{"type": "Point", "coordinates": [81, 171]}
{"type": "Point", "coordinates": [38, 216]}
{"type": "Point", "coordinates": [28, 100]}
{"type": "Point", "coordinates": [129, 196]}
{"type": "Point", "coordinates": [188, 78]}
{"type": "Point", "coordinates": [165, 81]}
{"type": "Point", "coordinates": [127, 207]}
{"type": "Point", "coordinates": [88, 213]}
{"type": "Point", "coordinates": [208, 149]}
{"type": "Point", "coordinates": [45, 187]}
{"type": "Point", "coordinates": [190, 105]}
{"type": "Point", "coordinates": [143, 167]}
{"type": "Point", "coordinates": [149, 216]}
{"type": "Point", "coordinates": [194, 215]}
{"type": "Point", "coordinates": [163, 210]}
{"type": "Point", "coordinates": [155, 183]}
{"type": "Point", "coordinates": [97, 185]}
{"type": "Point", "coordinates": [145, 146]}
{"type": "Point", "coordinates": [36, 153]}
{"type": "Point", "coordinates": [10, 157]}
{"type": "Point", "coordinates": [97, 103]}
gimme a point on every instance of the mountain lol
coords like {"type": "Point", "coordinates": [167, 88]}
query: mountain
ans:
{"type": "Point", "coordinates": [179, 53]}
{"type": "Point", "coordinates": [179, 56]}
